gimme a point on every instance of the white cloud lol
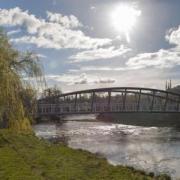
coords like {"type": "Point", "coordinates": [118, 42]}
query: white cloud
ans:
{"type": "Point", "coordinates": [17, 17]}
{"type": "Point", "coordinates": [95, 68]}
{"type": "Point", "coordinates": [160, 59]}
{"type": "Point", "coordinates": [173, 36]}
{"type": "Point", "coordinates": [84, 79]}
{"type": "Point", "coordinates": [13, 32]}
{"type": "Point", "coordinates": [75, 79]}
{"type": "Point", "coordinates": [138, 78]}
{"type": "Point", "coordinates": [100, 53]}
{"type": "Point", "coordinates": [105, 81]}
{"type": "Point", "coordinates": [41, 56]}
{"type": "Point", "coordinates": [81, 79]}
{"type": "Point", "coordinates": [66, 21]}
{"type": "Point", "coordinates": [55, 32]}
{"type": "Point", "coordinates": [164, 58]}
{"type": "Point", "coordinates": [62, 39]}
{"type": "Point", "coordinates": [92, 8]}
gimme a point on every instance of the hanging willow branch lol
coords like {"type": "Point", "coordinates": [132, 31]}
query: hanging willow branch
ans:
{"type": "Point", "coordinates": [14, 67]}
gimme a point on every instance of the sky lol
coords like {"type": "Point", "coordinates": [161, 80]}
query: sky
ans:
{"type": "Point", "coordinates": [84, 44]}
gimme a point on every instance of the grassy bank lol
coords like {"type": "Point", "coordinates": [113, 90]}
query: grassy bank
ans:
{"type": "Point", "coordinates": [25, 157]}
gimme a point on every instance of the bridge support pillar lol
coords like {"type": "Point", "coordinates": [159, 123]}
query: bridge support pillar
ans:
{"type": "Point", "coordinates": [92, 101]}
{"type": "Point", "coordinates": [124, 99]}
{"type": "Point", "coordinates": [75, 103]}
{"type": "Point", "coordinates": [109, 101]}
{"type": "Point", "coordinates": [165, 103]}
{"type": "Point", "coordinates": [152, 103]}
{"type": "Point", "coordinates": [178, 103]}
{"type": "Point", "coordinates": [139, 98]}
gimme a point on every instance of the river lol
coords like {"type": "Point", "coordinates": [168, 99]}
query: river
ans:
{"type": "Point", "coordinates": [152, 149]}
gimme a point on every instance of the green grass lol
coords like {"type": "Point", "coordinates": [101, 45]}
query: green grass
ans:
{"type": "Point", "coordinates": [25, 157]}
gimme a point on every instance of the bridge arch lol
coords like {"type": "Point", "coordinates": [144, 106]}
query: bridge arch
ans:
{"type": "Point", "coordinates": [111, 100]}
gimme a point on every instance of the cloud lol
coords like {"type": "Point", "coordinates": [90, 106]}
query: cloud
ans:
{"type": "Point", "coordinates": [95, 68]}
{"type": "Point", "coordinates": [160, 59]}
{"type": "Point", "coordinates": [75, 79]}
{"type": "Point", "coordinates": [92, 8]}
{"type": "Point", "coordinates": [138, 78]}
{"type": "Point", "coordinates": [105, 81]}
{"type": "Point", "coordinates": [17, 17]}
{"type": "Point", "coordinates": [57, 31]}
{"type": "Point", "coordinates": [173, 36]}
{"type": "Point", "coordinates": [66, 21]}
{"type": "Point", "coordinates": [84, 79]}
{"type": "Point", "coordinates": [81, 79]}
{"type": "Point", "coordinates": [99, 53]}
{"type": "Point", "coordinates": [41, 56]}
{"type": "Point", "coordinates": [164, 58]}
{"type": "Point", "coordinates": [62, 39]}
{"type": "Point", "coordinates": [9, 33]}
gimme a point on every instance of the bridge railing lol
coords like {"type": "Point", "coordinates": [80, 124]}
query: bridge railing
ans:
{"type": "Point", "coordinates": [102, 107]}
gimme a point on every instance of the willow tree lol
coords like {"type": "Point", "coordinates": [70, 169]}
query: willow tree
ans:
{"type": "Point", "coordinates": [14, 67]}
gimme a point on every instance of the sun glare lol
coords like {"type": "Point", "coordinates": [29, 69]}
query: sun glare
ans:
{"type": "Point", "coordinates": [124, 17]}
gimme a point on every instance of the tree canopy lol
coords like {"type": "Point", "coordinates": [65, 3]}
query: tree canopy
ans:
{"type": "Point", "coordinates": [14, 67]}
{"type": "Point", "coordinates": [52, 91]}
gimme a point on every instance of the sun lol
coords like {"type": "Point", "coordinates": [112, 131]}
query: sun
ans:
{"type": "Point", "coordinates": [124, 18]}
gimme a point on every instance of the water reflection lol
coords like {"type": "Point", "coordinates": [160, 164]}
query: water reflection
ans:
{"type": "Point", "coordinates": [153, 149]}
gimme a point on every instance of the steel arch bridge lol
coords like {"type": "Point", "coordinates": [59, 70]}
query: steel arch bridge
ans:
{"type": "Point", "coordinates": [110, 100]}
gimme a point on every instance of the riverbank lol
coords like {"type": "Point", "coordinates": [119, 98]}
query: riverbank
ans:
{"type": "Point", "coordinates": [144, 119]}
{"type": "Point", "coordinates": [24, 156]}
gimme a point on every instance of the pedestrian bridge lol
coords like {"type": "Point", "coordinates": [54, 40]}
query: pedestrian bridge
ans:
{"type": "Point", "coordinates": [110, 100]}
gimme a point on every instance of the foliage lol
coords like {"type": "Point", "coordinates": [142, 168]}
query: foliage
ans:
{"type": "Point", "coordinates": [14, 66]}
{"type": "Point", "coordinates": [29, 100]}
{"type": "Point", "coordinates": [50, 92]}
{"type": "Point", "coordinates": [38, 160]}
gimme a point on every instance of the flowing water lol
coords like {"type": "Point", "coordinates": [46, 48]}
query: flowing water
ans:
{"type": "Point", "coordinates": [147, 148]}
